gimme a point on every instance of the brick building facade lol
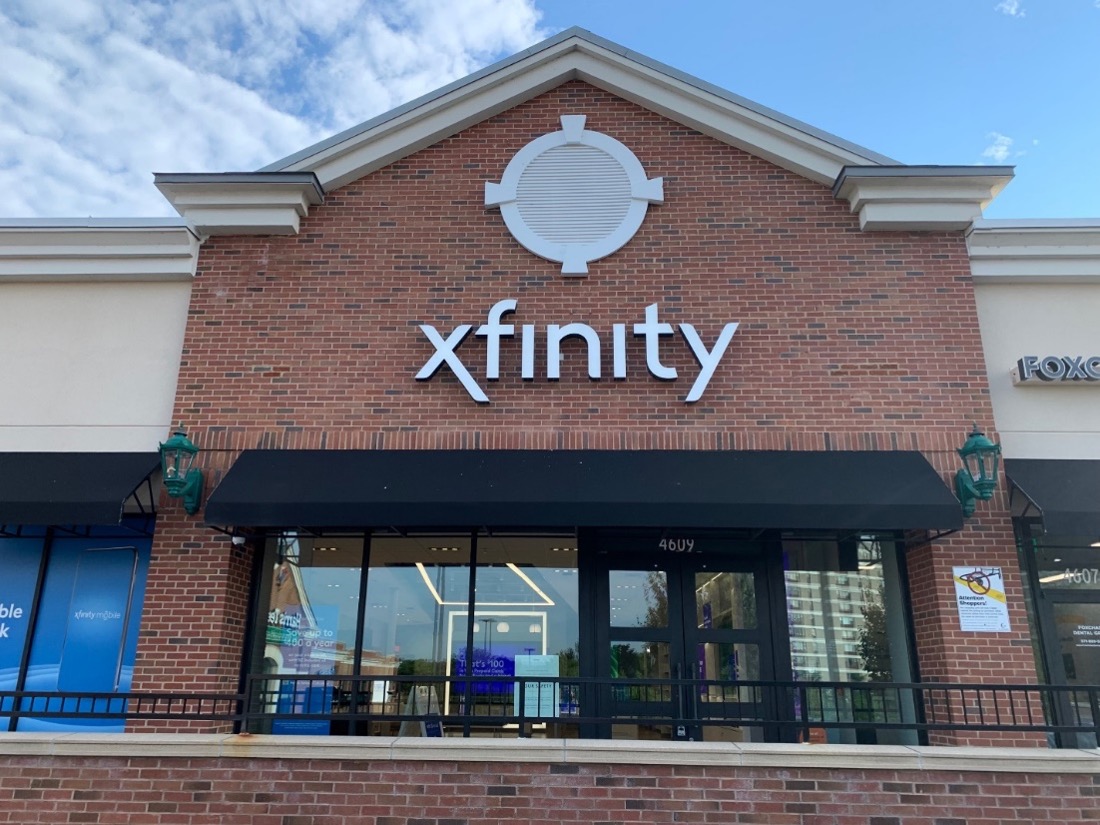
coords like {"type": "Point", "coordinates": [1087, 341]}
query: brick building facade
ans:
{"type": "Point", "coordinates": [848, 340]}
{"type": "Point", "coordinates": [815, 462]}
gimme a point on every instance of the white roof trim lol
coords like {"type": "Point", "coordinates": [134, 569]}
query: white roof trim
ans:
{"type": "Point", "coordinates": [63, 250]}
{"type": "Point", "coordinates": [241, 204]}
{"type": "Point", "coordinates": [920, 198]}
{"type": "Point", "coordinates": [577, 55]}
{"type": "Point", "coordinates": [1035, 252]}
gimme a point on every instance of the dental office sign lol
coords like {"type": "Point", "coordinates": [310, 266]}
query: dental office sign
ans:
{"type": "Point", "coordinates": [651, 329]}
{"type": "Point", "coordinates": [1035, 370]}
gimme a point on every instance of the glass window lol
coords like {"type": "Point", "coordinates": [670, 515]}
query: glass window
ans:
{"type": "Point", "coordinates": [525, 616]}
{"type": "Point", "coordinates": [414, 621]}
{"type": "Point", "coordinates": [639, 598]}
{"type": "Point", "coordinates": [312, 605]}
{"type": "Point", "coordinates": [416, 586]}
{"type": "Point", "coordinates": [1078, 632]}
{"type": "Point", "coordinates": [1067, 565]}
{"type": "Point", "coordinates": [725, 600]}
{"type": "Point", "coordinates": [858, 619]}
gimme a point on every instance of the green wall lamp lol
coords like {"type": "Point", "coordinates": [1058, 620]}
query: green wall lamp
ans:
{"type": "Point", "coordinates": [978, 480]}
{"type": "Point", "coordinates": [181, 480]}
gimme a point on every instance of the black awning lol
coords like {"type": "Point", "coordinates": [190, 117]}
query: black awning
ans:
{"type": "Point", "coordinates": [70, 488]}
{"type": "Point", "coordinates": [583, 488]}
{"type": "Point", "coordinates": [1066, 492]}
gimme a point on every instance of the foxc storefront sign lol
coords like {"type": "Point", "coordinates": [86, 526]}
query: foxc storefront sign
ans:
{"type": "Point", "coordinates": [652, 330]}
{"type": "Point", "coordinates": [1058, 369]}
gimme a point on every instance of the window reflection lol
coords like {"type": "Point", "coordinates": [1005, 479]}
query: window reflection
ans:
{"type": "Point", "coordinates": [725, 600]}
{"type": "Point", "coordinates": [525, 617]}
{"type": "Point", "coordinates": [639, 598]}
{"type": "Point", "coordinates": [416, 621]}
{"type": "Point", "coordinates": [313, 605]}
{"type": "Point", "coordinates": [846, 614]}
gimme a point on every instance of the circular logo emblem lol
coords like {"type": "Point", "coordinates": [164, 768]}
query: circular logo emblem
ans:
{"type": "Point", "coordinates": [574, 196]}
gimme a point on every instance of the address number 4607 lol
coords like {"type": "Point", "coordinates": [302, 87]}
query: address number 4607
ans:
{"type": "Point", "coordinates": [1082, 575]}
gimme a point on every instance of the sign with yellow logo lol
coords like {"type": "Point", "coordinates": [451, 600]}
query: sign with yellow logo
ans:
{"type": "Point", "coordinates": [980, 597]}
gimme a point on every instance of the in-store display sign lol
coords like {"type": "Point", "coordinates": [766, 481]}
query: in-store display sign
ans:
{"type": "Point", "coordinates": [651, 329]}
{"type": "Point", "coordinates": [1058, 369]}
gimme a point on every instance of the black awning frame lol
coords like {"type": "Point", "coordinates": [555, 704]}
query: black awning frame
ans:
{"type": "Point", "coordinates": [1064, 492]}
{"type": "Point", "coordinates": [528, 489]}
{"type": "Point", "coordinates": [76, 491]}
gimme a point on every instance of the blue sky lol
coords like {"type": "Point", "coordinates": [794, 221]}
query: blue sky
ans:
{"type": "Point", "coordinates": [99, 94]}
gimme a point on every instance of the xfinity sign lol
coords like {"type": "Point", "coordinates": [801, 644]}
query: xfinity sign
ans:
{"type": "Point", "coordinates": [494, 331]}
{"type": "Point", "coordinates": [1058, 368]}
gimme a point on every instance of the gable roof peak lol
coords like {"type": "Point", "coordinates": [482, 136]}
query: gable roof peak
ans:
{"type": "Point", "coordinates": [578, 54]}
{"type": "Point", "coordinates": [887, 195]}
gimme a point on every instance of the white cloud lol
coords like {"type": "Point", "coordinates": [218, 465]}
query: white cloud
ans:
{"type": "Point", "coordinates": [999, 149]}
{"type": "Point", "coordinates": [99, 94]}
{"type": "Point", "coordinates": [1012, 8]}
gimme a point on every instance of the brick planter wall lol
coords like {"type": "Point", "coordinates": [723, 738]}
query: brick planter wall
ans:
{"type": "Point", "coordinates": [96, 782]}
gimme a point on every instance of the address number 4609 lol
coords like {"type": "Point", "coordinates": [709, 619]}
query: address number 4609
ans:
{"type": "Point", "coordinates": [677, 545]}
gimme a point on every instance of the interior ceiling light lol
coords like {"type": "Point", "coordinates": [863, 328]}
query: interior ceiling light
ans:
{"type": "Point", "coordinates": [543, 598]}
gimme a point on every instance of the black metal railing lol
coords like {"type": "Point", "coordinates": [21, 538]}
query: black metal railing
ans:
{"type": "Point", "coordinates": [497, 705]}
{"type": "Point", "coordinates": [54, 705]}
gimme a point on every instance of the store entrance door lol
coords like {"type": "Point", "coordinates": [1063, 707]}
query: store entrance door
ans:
{"type": "Point", "coordinates": [1077, 630]}
{"type": "Point", "coordinates": [1066, 580]}
{"type": "Point", "coordinates": [683, 630]}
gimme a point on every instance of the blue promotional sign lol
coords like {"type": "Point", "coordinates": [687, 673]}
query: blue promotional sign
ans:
{"type": "Point", "coordinates": [96, 621]}
{"type": "Point", "coordinates": [303, 697]}
{"type": "Point", "coordinates": [89, 613]}
{"type": "Point", "coordinates": [308, 646]}
{"type": "Point", "coordinates": [20, 560]}
{"type": "Point", "coordinates": [500, 662]}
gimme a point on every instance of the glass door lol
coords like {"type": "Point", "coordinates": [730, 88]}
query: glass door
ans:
{"type": "Point", "coordinates": [1067, 576]}
{"type": "Point", "coordinates": [683, 632]}
{"type": "Point", "coordinates": [1077, 629]}
{"type": "Point", "coordinates": [725, 631]}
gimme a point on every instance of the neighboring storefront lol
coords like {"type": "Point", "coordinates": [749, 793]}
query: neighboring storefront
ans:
{"type": "Point", "coordinates": [1038, 288]}
{"type": "Point", "coordinates": [94, 313]}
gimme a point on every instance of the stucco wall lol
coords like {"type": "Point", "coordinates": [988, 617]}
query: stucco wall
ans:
{"type": "Point", "coordinates": [1040, 419]}
{"type": "Point", "coordinates": [89, 366]}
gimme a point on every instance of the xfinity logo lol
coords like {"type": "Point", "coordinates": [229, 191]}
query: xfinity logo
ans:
{"type": "Point", "coordinates": [1058, 368]}
{"type": "Point", "coordinates": [495, 330]}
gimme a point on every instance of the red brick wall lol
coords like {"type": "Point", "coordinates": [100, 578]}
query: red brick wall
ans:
{"type": "Point", "coordinates": [947, 654]}
{"type": "Point", "coordinates": [848, 340]}
{"type": "Point", "coordinates": [194, 622]}
{"type": "Point", "coordinates": [164, 791]}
